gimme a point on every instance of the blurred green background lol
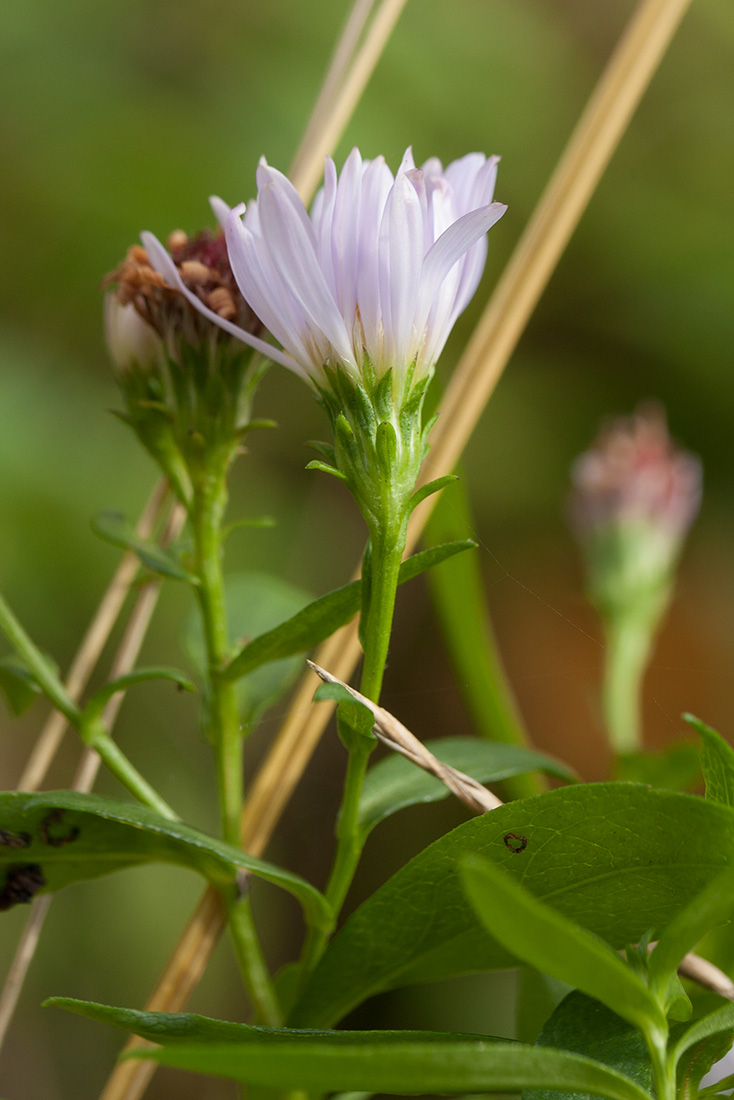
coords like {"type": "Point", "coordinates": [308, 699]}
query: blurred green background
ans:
{"type": "Point", "coordinates": [118, 117]}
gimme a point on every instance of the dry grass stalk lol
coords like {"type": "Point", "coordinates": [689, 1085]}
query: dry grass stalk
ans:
{"type": "Point", "coordinates": [589, 150]}
{"type": "Point", "coordinates": [91, 647]}
{"type": "Point", "coordinates": [396, 736]}
{"type": "Point", "coordinates": [329, 91]}
{"type": "Point", "coordinates": [310, 166]}
{"type": "Point", "coordinates": [124, 662]}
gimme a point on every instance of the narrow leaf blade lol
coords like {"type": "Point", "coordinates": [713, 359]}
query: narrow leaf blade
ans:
{"type": "Point", "coordinates": [112, 527]}
{"type": "Point", "coordinates": [394, 783]}
{"type": "Point", "coordinates": [320, 619]}
{"type": "Point", "coordinates": [549, 941]}
{"type": "Point", "coordinates": [717, 761]}
{"type": "Point", "coordinates": [51, 840]}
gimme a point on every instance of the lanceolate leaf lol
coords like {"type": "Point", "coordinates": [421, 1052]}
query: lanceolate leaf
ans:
{"type": "Point", "coordinates": [615, 857]}
{"type": "Point", "coordinates": [322, 617]}
{"type": "Point", "coordinates": [396, 1062]}
{"type": "Point", "coordinates": [717, 760]}
{"type": "Point", "coordinates": [114, 528]}
{"type": "Point", "coordinates": [17, 684]}
{"type": "Point", "coordinates": [584, 1026]}
{"type": "Point", "coordinates": [399, 1068]}
{"type": "Point", "coordinates": [50, 840]}
{"type": "Point", "coordinates": [394, 782]}
{"type": "Point", "coordinates": [539, 935]}
{"type": "Point", "coordinates": [722, 1020]}
{"type": "Point", "coordinates": [711, 907]}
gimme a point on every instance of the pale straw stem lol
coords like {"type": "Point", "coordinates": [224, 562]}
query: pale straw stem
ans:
{"type": "Point", "coordinates": [310, 167]}
{"type": "Point", "coordinates": [340, 60]}
{"type": "Point", "coordinates": [590, 148]}
{"type": "Point", "coordinates": [91, 647]}
{"type": "Point", "coordinates": [86, 773]}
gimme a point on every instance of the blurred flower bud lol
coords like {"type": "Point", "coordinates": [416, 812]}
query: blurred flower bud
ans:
{"type": "Point", "coordinates": [635, 495]}
{"type": "Point", "coordinates": [635, 474]}
{"type": "Point", "coordinates": [131, 342]}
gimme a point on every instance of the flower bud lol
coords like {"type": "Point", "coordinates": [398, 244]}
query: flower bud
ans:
{"type": "Point", "coordinates": [131, 342]}
{"type": "Point", "coordinates": [635, 475]}
{"type": "Point", "coordinates": [635, 495]}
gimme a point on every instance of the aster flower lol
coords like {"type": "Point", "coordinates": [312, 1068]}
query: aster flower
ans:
{"type": "Point", "coordinates": [377, 274]}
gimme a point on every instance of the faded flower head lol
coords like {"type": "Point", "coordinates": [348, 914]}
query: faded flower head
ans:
{"type": "Point", "coordinates": [635, 474]}
{"type": "Point", "coordinates": [377, 273]}
{"type": "Point", "coordinates": [202, 267]}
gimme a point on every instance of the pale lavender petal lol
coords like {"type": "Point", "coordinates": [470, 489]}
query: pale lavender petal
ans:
{"type": "Point", "coordinates": [263, 289]}
{"type": "Point", "coordinates": [402, 239]}
{"type": "Point", "coordinates": [220, 210]}
{"type": "Point", "coordinates": [164, 265]}
{"type": "Point", "coordinates": [293, 252]}
{"type": "Point", "coordinates": [322, 215]}
{"type": "Point", "coordinates": [377, 179]}
{"type": "Point", "coordinates": [345, 237]}
{"type": "Point", "coordinates": [407, 164]}
{"type": "Point", "coordinates": [448, 250]}
{"type": "Point", "coordinates": [287, 195]}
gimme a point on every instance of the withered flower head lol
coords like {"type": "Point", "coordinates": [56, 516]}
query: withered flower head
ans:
{"type": "Point", "coordinates": [635, 474]}
{"type": "Point", "coordinates": [203, 265]}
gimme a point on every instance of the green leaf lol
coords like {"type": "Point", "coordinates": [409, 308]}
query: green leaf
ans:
{"type": "Point", "coordinates": [100, 699]}
{"type": "Point", "coordinates": [546, 939]}
{"type": "Point", "coordinates": [354, 719]}
{"type": "Point", "coordinates": [717, 760]}
{"type": "Point", "coordinates": [709, 908]}
{"type": "Point", "coordinates": [714, 1023]}
{"type": "Point", "coordinates": [17, 684]}
{"type": "Point", "coordinates": [256, 602]}
{"type": "Point", "coordinates": [698, 1060]}
{"type": "Point", "coordinates": [430, 488]}
{"type": "Point", "coordinates": [320, 619]}
{"type": "Point", "coordinates": [52, 839]}
{"type": "Point", "coordinates": [615, 857]}
{"type": "Point", "coordinates": [676, 767]}
{"type": "Point", "coordinates": [584, 1026]}
{"type": "Point", "coordinates": [398, 1068]}
{"type": "Point", "coordinates": [115, 529]}
{"type": "Point", "coordinates": [396, 1062]}
{"type": "Point", "coordinates": [394, 783]}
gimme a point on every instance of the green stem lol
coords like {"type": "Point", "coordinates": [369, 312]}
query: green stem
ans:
{"type": "Point", "coordinates": [628, 648]}
{"type": "Point", "coordinates": [251, 961]}
{"type": "Point", "coordinates": [663, 1070]}
{"type": "Point", "coordinates": [93, 732]}
{"type": "Point", "coordinates": [41, 668]}
{"type": "Point", "coordinates": [386, 555]}
{"type": "Point", "coordinates": [115, 760]}
{"type": "Point", "coordinates": [207, 512]}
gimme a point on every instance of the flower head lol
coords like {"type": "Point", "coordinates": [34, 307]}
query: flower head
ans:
{"type": "Point", "coordinates": [201, 266]}
{"type": "Point", "coordinates": [378, 272]}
